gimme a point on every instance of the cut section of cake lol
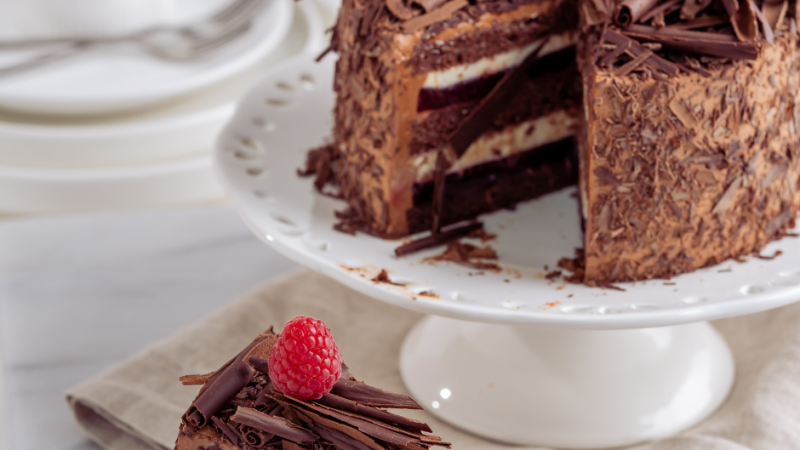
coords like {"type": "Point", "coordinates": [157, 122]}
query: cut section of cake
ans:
{"type": "Point", "coordinates": [239, 407]}
{"type": "Point", "coordinates": [689, 150]}
{"type": "Point", "coordinates": [408, 76]}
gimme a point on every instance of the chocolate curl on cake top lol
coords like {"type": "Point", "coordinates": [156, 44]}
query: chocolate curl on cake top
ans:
{"type": "Point", "coordinates": [629, 11]}
{"type": "Point", "coordinates": [351, 416]}
{"type": "Point", "coordinates": [225, 383]}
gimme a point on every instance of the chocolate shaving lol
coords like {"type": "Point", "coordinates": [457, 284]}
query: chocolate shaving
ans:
{"type": "Point", "coordinates": [629, 11]}
{"type": "Point", "coordinates": [383, 277]}
{"type": "Point", "coordinates": [371, 396]}
{"type": "Point", "coordinates": [775, 11]}
{"type": "Point", "coordinates": [603, 284]}
{"type": "Point", "coordinates": [342, 403]}
{"type": "Point", "coordinates": [323, 424]}
{"type": "Point", "coordinates": [340, 439]}
{"type": "Point", "coordinates": [766, 28]}
{"type": "Point", "coordinates": [467, 255]}
{"type": "Point", "coordinates": [633, 64]}
{"type": "Point", "coordinates": [553, 275]}
{"type": "Point", "coordinates": [660, 9]}
{"type": "Point", "coordinates": [743, 19]}
{"type": "Point", "coordinates": [605, 175]}
{"type": "Point", "coordinates": [691, 8]}
{"type": "Point", "coordinates": [700, 22]}
{"type": "Point", "coordinates": [437, 15]}
{"type": "Point", "coordinates": [429, 5]}
{"type": "Point", "coordinates": [495, 101]}
{"type": "Point", "coordinates": [714, 44]}
{"type": "Point", "coordinates": [273, 425]}
{"type": "Point", "coordinates": [595, 12]}
{"type": "Point", "coordinates": [226, 430]}
{"type": "Point", "coordinates": [260, 364]}
{"type": "Point", "coordinates": [637, 49]}
{"type": "Point", "coordinates": [726, 198]}
{"type": "Point", "coordinates": [683, 113]}
{"type": "Point", "coordinates": [195, 380]}
{"type": "Point", "coordinates": [399, 9]}
{"type": "Point", "coordinates": [289, 445]}
{"type": "Point", "coordinates": [435, 240]}
{"type": "Point", "coordinates": [768, 258]}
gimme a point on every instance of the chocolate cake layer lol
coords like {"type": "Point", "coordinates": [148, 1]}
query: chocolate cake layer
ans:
{"type": "Point", "coordinates": [473, 90]}
{"type": "Point", "coordinates": [498, 184]}
{"type": "Point", "coordinates": [439, 49]}
{"type": "Point", "coordinates": [541, 96]}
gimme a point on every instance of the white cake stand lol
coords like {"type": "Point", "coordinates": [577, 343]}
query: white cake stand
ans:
{"type": "Point", "coordinates": [510, 356]}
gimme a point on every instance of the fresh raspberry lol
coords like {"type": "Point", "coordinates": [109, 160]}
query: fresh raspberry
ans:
{"type": "Point", "coordinates": [305, 361]}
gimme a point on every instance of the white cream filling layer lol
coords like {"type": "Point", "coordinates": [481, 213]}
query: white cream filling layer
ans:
{"type": "Point", "coordinates": [501, 144]}
{"type": "Point", "coordinates": [442, 79]}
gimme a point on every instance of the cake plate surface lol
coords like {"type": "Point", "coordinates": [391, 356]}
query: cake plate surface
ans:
{"type": "Point", "coordinates": [588, 360]}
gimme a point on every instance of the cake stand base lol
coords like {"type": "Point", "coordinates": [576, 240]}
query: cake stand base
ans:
{"type": "Point", "coordinates": [574, 389]}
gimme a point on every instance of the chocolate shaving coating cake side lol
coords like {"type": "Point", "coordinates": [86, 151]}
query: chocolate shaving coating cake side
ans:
{"type": "Point", "coordinates": [238, 408]}
{"type": "Point", "coordinates": [689, 151]}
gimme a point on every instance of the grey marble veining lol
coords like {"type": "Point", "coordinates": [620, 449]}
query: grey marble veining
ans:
{"type": "Point", "coordinates": [78, 294]}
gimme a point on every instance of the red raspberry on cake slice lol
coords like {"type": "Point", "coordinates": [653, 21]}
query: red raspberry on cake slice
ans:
{"type": "Point", "coordinates": [292, 391]}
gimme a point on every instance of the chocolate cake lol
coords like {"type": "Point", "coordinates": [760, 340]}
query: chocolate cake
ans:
{"type": "Point", "coordinates": [237, 408]}
{"type": "Point", "coordinates": [677, 121]}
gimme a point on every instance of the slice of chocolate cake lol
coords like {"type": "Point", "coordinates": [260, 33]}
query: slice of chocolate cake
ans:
{"type": "Point", "coordinates": [238, 407]}
{"type": "Point", "coordinates": [690, 152]}
{"type": "Point", "coordinates": [410, 74]}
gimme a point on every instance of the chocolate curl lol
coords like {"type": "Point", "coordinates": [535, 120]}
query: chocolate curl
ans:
{"type": "Point", "coordinates": [691, 8]}
{"type": "Point", "coordinates": [712, 44]}
{"type": "Point", "coordinates": [594, 12]}
{"type": "Point", "coordinates": [437, 239]}
{"type": "Point", "coordinates": [629, 11]}
{"type": "Point", "coordinates": [765, 26]}
{"type": "Point", "coordinates": [224, 384]}
{"type": "Point", "coordinates": [272, 425]}
{"type": "Point", "coordinates": [775, 11]}
{"type": "Point", "coordinates": [743, 19]}
{"type": "Point", "coordinates": [700, 22]}
{"type": "Point", "coordinates": [664, 8]}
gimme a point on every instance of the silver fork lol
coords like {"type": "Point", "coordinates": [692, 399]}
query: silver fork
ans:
{"type": "Point", "coordinates": [182, 43]}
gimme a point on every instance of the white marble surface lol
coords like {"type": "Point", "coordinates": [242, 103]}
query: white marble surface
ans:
{"type": "Point", "coordinates": [78, 294]}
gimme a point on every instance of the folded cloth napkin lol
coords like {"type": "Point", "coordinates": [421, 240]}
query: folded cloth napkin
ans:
{"type": "Point", "coordinates": [137, 405]}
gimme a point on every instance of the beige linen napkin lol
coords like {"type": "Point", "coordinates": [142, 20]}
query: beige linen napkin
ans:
{"type": "Point", "coordinates": [137, 405]}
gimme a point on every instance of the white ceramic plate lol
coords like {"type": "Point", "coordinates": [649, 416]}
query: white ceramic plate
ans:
{"type": "Point", "coordinates": [183, 129]}
{"type": "Point", "coordinates": [165, 183]}
{"type": "Point", "coordinates": [290, 112]}
{"type": "Point", "coordinates": [125, 78]}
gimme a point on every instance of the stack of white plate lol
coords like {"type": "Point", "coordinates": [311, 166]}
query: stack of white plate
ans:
{"type": "Point", "coordinates": [120, 130]}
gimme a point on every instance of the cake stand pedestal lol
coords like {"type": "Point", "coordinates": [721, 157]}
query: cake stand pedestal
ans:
{"type": "Point", "coordinates": [565, 388]}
